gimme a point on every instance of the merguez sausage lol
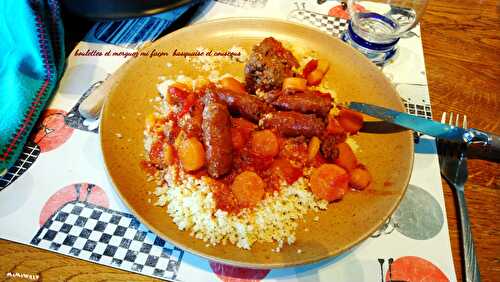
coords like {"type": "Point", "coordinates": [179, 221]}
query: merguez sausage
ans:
{"type": "Point", "coordinates": [306, 102]}
{"type": "Point", "coordinates": [294, 124]}
{"type": "Point", "coordinates": [248, 106]}
{"type": "Point", "coordinates": [216, 128]}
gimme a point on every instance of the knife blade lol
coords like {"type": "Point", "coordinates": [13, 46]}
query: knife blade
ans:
{"type": "Point", "coordinates": [481, 144]}
{"type": "Point", "coordinates": [423, 125]}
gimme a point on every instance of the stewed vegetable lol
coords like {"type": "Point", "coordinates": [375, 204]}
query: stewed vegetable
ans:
{"type": "Point", "coordinates": [360, 178]}
{"type": "Point", "coordinates": [248, 188]}
{"type": "Point", "coordinates": [191, 154]}
{"type": "Point", "coordinates": [346, 158]}
{"type": "Point", "coordinates": [264, 143]}
{"type": "Point", "coordinates": [254, 137]}
{"type": "Point", "coordinates": [329, 182]}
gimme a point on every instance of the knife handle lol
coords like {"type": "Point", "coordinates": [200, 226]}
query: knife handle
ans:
{"type": "Point", "coordinates": [488, 150]}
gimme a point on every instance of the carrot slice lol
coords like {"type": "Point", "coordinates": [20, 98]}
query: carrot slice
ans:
{"type": "Point", "coordinates": [309, 67]}
{"type": "Point", "coordinates": [329, 182]}
{"type": "Point", "coordinates": [314, 78]}
{"type": "Point", "coordinates": [351, 121]}
{"type": "Point", "coordinates": [191, 154]}
{"type": "Point", "coordinates": [334, 126]}
{"type": "Point", "coordinates": [346, 158]}
{"type": "Point", "coordinates": [313, 148]}
{"type": "Point", "coordinates": [248, 188]}
{"type": "Point", "coordinates": [264, 143]}
{"type": "Point", "coordinates": [360, 178]}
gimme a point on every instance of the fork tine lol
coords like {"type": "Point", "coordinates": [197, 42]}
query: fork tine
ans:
{"type": "Point", "coordinates": [457, 118]}
{"type": "Point", "coordinates": [465, 122]}
{"type": "Point", "coordinates": [443, 117]}
{"type": "Point", "coordinates": [450, 121]}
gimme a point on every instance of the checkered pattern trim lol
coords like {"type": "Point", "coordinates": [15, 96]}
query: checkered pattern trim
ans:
{"type": "Point", "coordinates": [331, 25]}
{"type": "Point", "coordinates": [245, 3]}
{"type": "Point", "coordinates": [420, 110]}
{"type": "Point", "coordinates": [108, 237]}
{"type": "Point", "coordinates": [30, 153]}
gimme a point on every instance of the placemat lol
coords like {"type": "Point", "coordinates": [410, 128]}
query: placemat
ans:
{"type": "Point", "coordinates": [58, 197]}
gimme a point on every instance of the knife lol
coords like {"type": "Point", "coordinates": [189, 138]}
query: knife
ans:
{"type": "Point", "coordinates": [486, 145]}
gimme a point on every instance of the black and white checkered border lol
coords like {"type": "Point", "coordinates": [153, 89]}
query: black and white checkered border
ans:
{"type": "Point", "coordinates": [331, 25]}
{"type": "Point", "coordinates": [108, 237]}
{"type": "Point", "coordinates": [418, 109]}
{"type": "Point", "coordinates": [30, 153]}
{"type": "Point", "coordinates": [245, 3]}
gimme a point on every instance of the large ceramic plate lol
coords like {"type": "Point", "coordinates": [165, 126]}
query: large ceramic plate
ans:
{"type": "Point", "coordinates": [389, 156]}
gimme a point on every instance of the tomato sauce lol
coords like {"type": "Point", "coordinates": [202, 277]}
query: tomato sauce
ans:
{"type": "Point", "coordinates": [156, 152]}
{"type": "Point", "coordinates": [288, 165]}
{"type": "Point", "coordinates": [272, 170]}
{"type": "Point", "coordinates": [148, 167]}
{"type": "Point", "coordinates": [225, 199]}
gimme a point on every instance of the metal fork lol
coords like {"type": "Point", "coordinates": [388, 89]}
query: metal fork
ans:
{"type": "Point", "coordinates": [453, 163]}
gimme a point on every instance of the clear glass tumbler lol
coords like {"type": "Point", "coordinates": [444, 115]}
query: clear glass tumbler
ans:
{"type": "Point", "coordinates": [377, 25]}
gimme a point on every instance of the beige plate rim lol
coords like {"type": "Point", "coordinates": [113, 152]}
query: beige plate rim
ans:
{"type": "Point", "coordinates": [277, 265]}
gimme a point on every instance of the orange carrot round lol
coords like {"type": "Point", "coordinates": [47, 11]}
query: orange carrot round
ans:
{"type": "Point", "coordinates": [191, 154]}
{"type": "Point", "coordinates": [360, 178]}
{"type": "Point", "coordinates": [248, 188]}
{"type": "Point", "coordinates": [329, 182]}
{"type": "Point", "coordinates": [346, 158]}
{"type": "Point", "coordinates": [264, 143]}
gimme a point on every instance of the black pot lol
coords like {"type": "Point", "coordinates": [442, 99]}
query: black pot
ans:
{"type": "Point", "coordinates": [120, 9]}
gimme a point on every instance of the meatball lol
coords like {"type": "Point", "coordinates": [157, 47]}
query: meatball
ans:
{"type": "Point", "coordinates": [268, 65]}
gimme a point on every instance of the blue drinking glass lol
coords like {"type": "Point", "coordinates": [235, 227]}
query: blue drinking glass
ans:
{"type": "Point", "coordinates": [377, 25]}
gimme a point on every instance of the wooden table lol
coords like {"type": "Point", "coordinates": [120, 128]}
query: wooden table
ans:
{"type": "Point", "coordinates": [461, 41]}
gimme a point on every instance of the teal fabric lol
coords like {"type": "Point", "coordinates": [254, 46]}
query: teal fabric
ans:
{"type": "Point", "coordinates": [31, 63]}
